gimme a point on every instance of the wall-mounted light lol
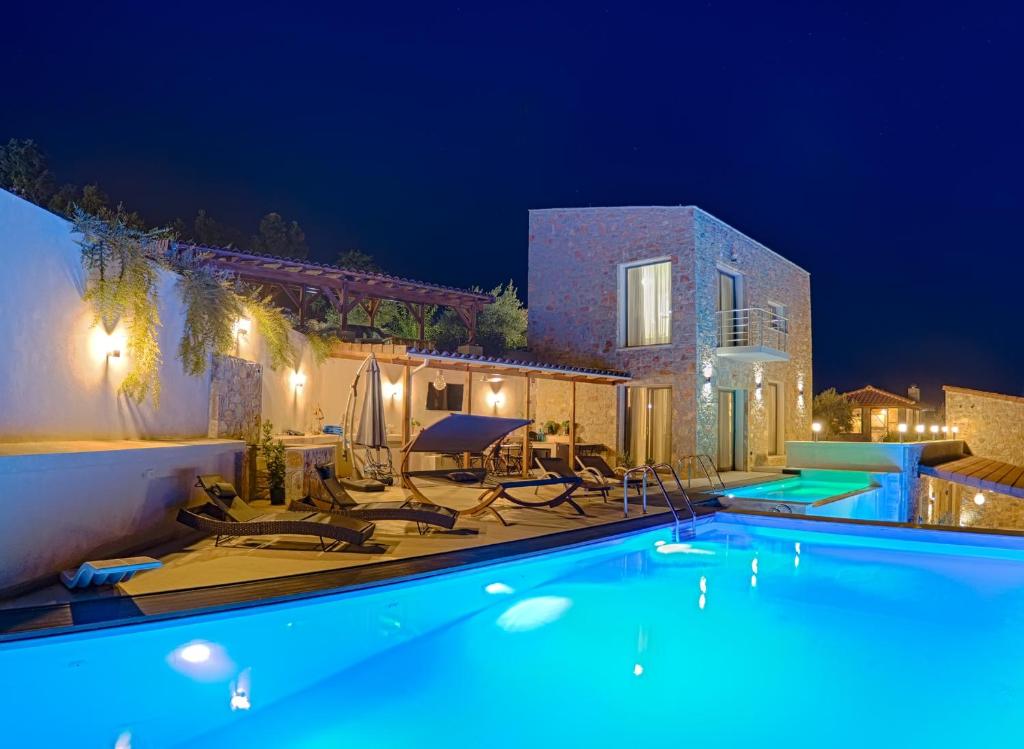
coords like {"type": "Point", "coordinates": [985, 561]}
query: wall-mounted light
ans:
{"type": "Point", "coordinates": [298, 380]}
{"type": "Point", "coordinates": [708, 373]}
{"type": "Point", "coordinates": [919, 429]}
{"type": "Point", "coordinates": [495, 401]}
{"type": "Point", "coordinates": [393, 390]}
{"type": "Point", "coordinates": [493, 378]}
{"type": "Point", "coordinates": [902, 429]}
{"type": "Point", "coordinates": [979, 499]}
{"type": "Point", "coordinates": [800, 387]}
{"type": "Point", "coordinates": [241, 327]}
{"type": "Point", "coordinates": [816, 428]}
{"type": "Point", "coordinates": [114, 353]}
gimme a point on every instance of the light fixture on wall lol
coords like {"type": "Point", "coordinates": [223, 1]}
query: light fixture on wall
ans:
{"type": "Point", "coordinates": [493, 378]}
{"type": "Point", "coordinates": [114, 353]}
{"type": "Point", "coordinates": [393, 390]}
{"type": "Point", "coordinates": [241, 327]}
{"type": "Point", "coordinates": [902, 429]}
{"type": "Point", "coordinates": [298, 380]}
{"type": "Point", "coordinates": [495, 401]}
{"type": "Point", "coordinates": [439, 381]}
{"type": "Point", "coordinates": [979, 499]}
{"type": "Point", "coordinates": [708, 373]}
{"type": "Point", "coordinates": [816, 428]}
{"type": "Point", "coordinates": [758, 384]}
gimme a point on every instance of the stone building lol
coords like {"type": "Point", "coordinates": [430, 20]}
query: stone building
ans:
{"type": "Point", "coordinates": [992, 424]}
{"type": "Point", "coordinates": [714, 327]}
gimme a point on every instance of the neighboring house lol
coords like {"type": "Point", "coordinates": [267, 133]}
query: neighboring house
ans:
{"type": "Point", "coordinates": [877, 413]}
{"type": "Point", "coordinates": [714, 328]}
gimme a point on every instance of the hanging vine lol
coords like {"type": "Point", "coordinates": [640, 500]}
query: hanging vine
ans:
{"type": "Point", "coordinates": [274, 325]}
{"type": "Point", "coordinates": [211, 308]}
{"type": "Point", "coordinates": [122, 263]}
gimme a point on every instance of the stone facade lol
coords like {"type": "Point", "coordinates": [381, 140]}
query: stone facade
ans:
{"type": "Point", "coordinates": [236, 398]}
{"type": "Point", "coordinates": [595, 408]}
{"type": "Point", "coordinates": [575, 257]}
{"type": "Point", "coordinates": [950, 504]}
{"type": "Point", "coordinates": [991, 424]}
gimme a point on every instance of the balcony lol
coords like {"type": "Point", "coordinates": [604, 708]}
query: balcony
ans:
{"type": "Point", "coordinates": [752, 335]}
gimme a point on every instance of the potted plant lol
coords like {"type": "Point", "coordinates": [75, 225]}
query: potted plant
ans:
{"type": "Point", "coordinates": [551, 427]}
{"type": "Point", "coordinates": [273, 456]}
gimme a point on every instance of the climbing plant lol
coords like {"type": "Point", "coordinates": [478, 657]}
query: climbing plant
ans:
{"type": "Point", "coordinates": [212, 307]}
{"type": "Point", "coordinates": [274, 325]}
{"type": "Point", "coordinates": [322, 339]}
{"type": "Point", "coordinates": [121, 262]}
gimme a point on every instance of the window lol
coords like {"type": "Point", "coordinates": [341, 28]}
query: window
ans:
{"type": "Point", "coordinates": [856, 426]}
{"type": "Point", "coordinates": [649, 424]}
{"type": "Point", "coordinates": [648, 304]}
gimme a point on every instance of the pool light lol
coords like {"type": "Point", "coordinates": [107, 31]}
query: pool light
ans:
{"type": "Point", "coordinates": [499, 589]}
{"type": "Point", "coordinates": [196, 652]}
{"type": "Point", "coordinates": [638, 670]}
{"type": "Point", "coordinates": [534, 613]}
{"type": "Point", "coordinates": [979, 499]}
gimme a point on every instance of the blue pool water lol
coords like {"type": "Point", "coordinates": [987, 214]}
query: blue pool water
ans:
{"type": "Point", "coordinates": [800, 489]}
{"type": "Point", "coordinates": [746, 636]}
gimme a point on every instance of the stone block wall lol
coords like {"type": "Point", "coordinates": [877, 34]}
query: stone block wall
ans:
{"type": "Point", "coordinates": [596, 407]}
{"type": "Point", "coordinates": [236, 397]}
{"type": "Point", "coordinates": [991, 424]}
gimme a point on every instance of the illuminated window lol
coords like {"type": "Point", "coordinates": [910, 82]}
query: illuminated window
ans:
{"type": "Point", "coordinates": [648, 304]}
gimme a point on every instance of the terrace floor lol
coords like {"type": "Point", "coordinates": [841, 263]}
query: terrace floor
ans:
{"type": "Point", "coordinates": [194, 562]}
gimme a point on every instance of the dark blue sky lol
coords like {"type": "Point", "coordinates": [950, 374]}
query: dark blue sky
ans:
{"type": "Point", "coordinates": [880, 148]}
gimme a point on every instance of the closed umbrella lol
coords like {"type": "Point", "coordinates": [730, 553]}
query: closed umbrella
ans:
{"type": "Point", "coordinates": [372, 434]}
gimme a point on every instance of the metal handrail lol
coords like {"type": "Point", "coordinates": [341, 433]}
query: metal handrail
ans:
{"type": "Point", "coordinates": [753, 326]}
{"type": "Point", "coordinates": [706, 465]}
{"type": "Point", "coordinates": [651, 470]}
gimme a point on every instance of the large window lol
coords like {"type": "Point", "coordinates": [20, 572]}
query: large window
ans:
{"type": "Point", "coordinates": [648, 304]}
{"type": "Point", "coordinates": [649, 424]}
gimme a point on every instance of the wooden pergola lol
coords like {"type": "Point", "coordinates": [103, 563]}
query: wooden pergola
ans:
{"type": "Point", "coordinates": [411, 358]}
{"type": "Point", "coordinates": [299, 281]}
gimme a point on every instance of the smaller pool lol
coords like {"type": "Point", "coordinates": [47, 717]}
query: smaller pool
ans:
{"type": "Point", "coordinates": [800, 489]}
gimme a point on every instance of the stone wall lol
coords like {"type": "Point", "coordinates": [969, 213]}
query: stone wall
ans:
{"type": "Point", "coordinates": [595, 408]}
{"type": "Point", "coordinates": [950, 504]}
{"type": "Point", "coordinates": [574, 273]}
{"type": "Point", "coordinates": [236, 396]}
{"type": "Point", "coordinates": [991, 424]}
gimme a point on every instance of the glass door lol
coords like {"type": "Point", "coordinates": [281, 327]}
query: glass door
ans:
{"type": "Point", "coordinates": [726, 430]}
{"type": "Point", "coordinates": [731, 332]}
{"type": "Point", "coordinates": [772, 410]}
{"type": "Point", "coordinates": [649, 424]}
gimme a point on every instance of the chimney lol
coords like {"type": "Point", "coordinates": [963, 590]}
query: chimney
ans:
{"type": "Point", "coordinates": [914, 393]}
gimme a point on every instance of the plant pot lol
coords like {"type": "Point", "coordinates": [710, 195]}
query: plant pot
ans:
{"type": "Point", "coordinates": [277, 495]}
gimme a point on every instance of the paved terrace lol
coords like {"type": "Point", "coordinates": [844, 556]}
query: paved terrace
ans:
{"type": "Point", "coordinates": [198, 574]}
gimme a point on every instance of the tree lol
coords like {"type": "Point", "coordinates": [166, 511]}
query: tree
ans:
{"type": "Point", "coordinates": [281, 238]}
{"type": "Point", "coordinates": [24, 171]}
{"type": "Point", "coordinates": [358, 260]}
{"type": "Point", "coordinates": [834, 411]}
{"type": "Point", "coordinates": [208, 231]}
{"type": "Point", "coordinates": [500, 327]}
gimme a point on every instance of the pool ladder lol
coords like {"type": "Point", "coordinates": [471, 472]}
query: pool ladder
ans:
{"type": "Point", "coordinates": [707, 467]}
{"type": "Point", "coordinates": [646, 471]}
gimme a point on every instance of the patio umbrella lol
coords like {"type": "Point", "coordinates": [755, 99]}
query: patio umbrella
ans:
{"type": "Point", "coordinates": [373, 430]}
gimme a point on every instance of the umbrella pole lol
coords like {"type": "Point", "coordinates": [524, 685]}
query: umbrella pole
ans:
{"type": "Point", "coordinates": [349, 417]}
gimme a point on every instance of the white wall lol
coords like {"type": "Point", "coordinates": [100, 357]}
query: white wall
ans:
{"type": "Point", "coordinates": [57, 382]}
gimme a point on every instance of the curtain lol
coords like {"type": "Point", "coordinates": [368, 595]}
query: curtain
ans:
{"type": "Point", "coordinates": [650, 424]}
{"type": "Point", "coordinates": [649, 304]}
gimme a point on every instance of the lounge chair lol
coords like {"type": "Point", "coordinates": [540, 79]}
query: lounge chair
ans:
{"type": "Point", "coordinates": [560, 468]}
{"type": "Point", "coordinates": [598, 469]}
{"type": "Point", "coordinates": [107, 571]}
{"type": "Point", "coordinates": [335, 499]}
{"type": "Point", "coordinates": [466, 433]}
{"type": "Point", "coordinates": [239, 519]}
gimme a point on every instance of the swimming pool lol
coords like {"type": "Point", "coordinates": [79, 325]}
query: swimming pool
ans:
{"type": "Point", "coordinates": [801, 489]}
{"type": "Point", "coordinates": [760, 632]}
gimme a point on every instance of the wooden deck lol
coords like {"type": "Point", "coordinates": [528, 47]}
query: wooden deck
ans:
{"type": "Point", "coordinates": [982, 473]}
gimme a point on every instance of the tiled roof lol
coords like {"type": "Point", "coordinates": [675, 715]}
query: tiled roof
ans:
{"type": "Point", "coordinates": [500, 361]}
{"type": "Point", "coordinates": [874, 397]}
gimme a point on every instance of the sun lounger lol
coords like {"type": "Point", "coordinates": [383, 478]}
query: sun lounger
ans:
{"type": "Point", "coordinates": [239, 519]}
{"type": "Point", "coordinates": [597, 468]}
{"type": "Point", "coordinates": [334, 498]}
{"type": "Point", "coordinates": [560, 468]}
{"type": "Point", "coordinates": [467, 433]}
{"type": "Point", "coordinates": [107, 571]}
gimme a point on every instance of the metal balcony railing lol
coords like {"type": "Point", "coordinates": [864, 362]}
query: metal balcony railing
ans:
{"type": "Point", "coordinates": [755, 327]}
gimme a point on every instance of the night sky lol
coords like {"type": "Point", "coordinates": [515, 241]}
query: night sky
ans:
{"type": "Point", "coordinates": [881, 149]}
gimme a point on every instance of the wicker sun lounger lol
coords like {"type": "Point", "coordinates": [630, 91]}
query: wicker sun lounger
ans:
{"type": "Point", "coordinates": [466, 433]}
{"type": "Point", "coordinates": [597, 467]}
{"type": "Point", "coordinates": [335, 499]}
{"type": "Point", "coordinates": [239, 519]}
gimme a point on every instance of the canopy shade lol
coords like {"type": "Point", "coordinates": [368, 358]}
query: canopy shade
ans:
{"type": "Point", "coordinates": [464, 433]}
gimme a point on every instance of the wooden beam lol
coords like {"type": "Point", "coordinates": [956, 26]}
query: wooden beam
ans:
{"type": "Point", "coordinates": [527, 447]}
{"type": "Point", "coordinates": [572, 428]}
